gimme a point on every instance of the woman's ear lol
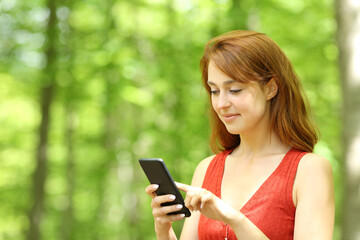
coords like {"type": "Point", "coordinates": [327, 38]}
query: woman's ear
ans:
{"type": "Point", "coordinates": [272, 89]}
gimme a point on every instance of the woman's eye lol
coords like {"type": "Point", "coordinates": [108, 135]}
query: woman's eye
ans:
{"type": "Point", "coordinates": [214, 91]}
{"type": "Point", "coordinates": [235, 90]}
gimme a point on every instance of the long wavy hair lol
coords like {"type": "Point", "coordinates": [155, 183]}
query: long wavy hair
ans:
{"type": "Point", "coordinates": [247, 56]}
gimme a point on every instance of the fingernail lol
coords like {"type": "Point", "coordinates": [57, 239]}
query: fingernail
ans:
{"type": "Point", "coordinates": [172, 197]}
{"type": "Point", "coordinates": [179, 206]}
{"type": "Point", "coordinates": [155, 186]}
{"type": "Point", "coordinates": [182, 215]}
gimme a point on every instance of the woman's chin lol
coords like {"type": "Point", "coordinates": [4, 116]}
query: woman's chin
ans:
{"type": "Point", "coordinates": [232, 130]}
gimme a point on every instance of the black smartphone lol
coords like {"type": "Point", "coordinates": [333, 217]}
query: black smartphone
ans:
{"type": "Point", "coordinates": [157, 173]}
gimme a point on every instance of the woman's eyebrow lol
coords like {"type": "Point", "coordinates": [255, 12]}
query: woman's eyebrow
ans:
{"type": "Point", "coordinates": [227, 82]}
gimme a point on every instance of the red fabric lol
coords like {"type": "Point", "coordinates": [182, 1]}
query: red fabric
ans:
{"type": "Point", "coordinates": [271, 208]}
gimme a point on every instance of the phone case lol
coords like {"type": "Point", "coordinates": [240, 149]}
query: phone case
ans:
{"type": "Point", "coordinates": [157, 173]}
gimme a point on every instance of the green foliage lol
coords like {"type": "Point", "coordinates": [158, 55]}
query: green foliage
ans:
{"type": "Point", "coordinates": [128, 86]}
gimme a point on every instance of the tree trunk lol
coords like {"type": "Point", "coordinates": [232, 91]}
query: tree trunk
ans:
{"type": "Point", "coordinates": [348, 16]}
{"type": "Point", "coordinates": [67, 224]}
{"type": "Point", "coordinates": [39, 174]}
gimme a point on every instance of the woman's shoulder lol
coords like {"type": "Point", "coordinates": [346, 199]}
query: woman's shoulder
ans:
{"type": "Point", "coordinates": [315, 197]}
{"type": "Point", "coordinates": [314, 175]}
{"type": "Point", "coordinates": [312, 163]}
{"type": "Point", "coordinates": [205, 162]}
{"type": "Point", "coordinates": [200, 171]}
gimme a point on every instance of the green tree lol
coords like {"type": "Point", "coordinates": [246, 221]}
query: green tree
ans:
{"type": "Point", "coordinates": [127, 81]}
{"type": "Point", "coordinates": [47, 92]}
{"type": "Point", "coordinates": [348, 38]}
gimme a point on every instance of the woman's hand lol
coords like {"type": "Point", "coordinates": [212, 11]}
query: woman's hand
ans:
{"type": "Point", "coordinates": [199, 199]}
{"type": "Point", "coordinates": [163, 221]}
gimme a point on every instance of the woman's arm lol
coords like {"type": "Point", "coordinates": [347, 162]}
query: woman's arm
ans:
{"type": "Point", "coordinates": [190, 228]}
{"type": "Point", "coordinates": [314, 199]}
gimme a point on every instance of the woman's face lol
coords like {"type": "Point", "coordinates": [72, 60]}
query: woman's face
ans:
{"type": "Point", "coordinates": [241, 107]}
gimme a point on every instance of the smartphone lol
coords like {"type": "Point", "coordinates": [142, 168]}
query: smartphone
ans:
{"type": "Point", "coordinates": [157, 173]}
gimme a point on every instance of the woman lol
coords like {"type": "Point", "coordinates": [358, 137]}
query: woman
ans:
{"type": "Point", "coordinates": [265, 182]}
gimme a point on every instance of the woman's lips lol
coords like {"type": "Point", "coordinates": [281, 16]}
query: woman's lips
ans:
{"type": "Point", "coordinates": [230, 117]}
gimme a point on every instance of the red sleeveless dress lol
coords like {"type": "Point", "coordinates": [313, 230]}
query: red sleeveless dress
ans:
{"type": "Point", "coordinates": [271, 208]}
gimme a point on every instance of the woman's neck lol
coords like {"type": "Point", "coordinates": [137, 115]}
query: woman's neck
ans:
{"type": "Point", "coordinates": [257, 145]}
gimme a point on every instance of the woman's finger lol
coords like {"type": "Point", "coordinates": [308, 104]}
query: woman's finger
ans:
{"type": "Point", "coordinates": [205, 199]}
{"type": "Point", "coordinates": [192, 199]}
{"type": "Point", "coordinates": [158, 200]}
{"type": "Point", "coordinates": [196, 200]}
{"type": "Point", "coordinates": [183, 187]}
{"type": "Point", "coordinates": [169, 218]}
{"type": "Point", "coordinates": [158, 212]}
{"type": "Point", "coordinates": [189, 196]}
{"type": "Point", "coordinates": [150, 190]}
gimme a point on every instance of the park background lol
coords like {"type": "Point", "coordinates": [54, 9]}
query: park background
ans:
{"type": "Point", "coordinates": [87, 87]}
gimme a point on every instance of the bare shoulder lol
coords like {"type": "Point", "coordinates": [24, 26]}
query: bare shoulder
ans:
{"type": "Point", "coordinates": [200, 171]}
{"type": "Point", "coordinates": [314, 176]}
{"type": "Point", "coordinates": [205, 163]}
{"type": "Point", "coordinates": [190, 228]}
{"type": "Point", "coordinates": [314, 163]}
{"type": "Point", "coordinates": [314, 198]}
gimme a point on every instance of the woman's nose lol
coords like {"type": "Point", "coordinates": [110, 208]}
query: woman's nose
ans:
{"type": "Point", "coordinates": [223, 101]}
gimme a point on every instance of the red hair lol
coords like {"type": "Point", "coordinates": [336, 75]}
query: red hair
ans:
{"type": "Point", "coordinates": [251, 56]}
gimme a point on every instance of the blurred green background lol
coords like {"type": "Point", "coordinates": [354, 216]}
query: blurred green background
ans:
{"type": "Point", "coordinates": [87, 87]}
